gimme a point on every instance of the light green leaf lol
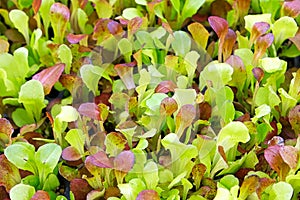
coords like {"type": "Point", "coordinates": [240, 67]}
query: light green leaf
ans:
{"type": "Point", "coordinates": [294, 180]}
{"type": "Point", "coordinates": [281, 191]}
{"type": "Point", "coordinates": [141, 2]}
{"type": "Point", "coordinates": [21, 191]}
{"type": "Point", "coordinates": [150, 174]}
{"type": "Point", "coordinates": [65, 55]}
{"type": "Point", "coordinates": [76, 138]}
{"type": "Point", "coordinates": [216, 74]}
{"type": "Point", "coordinates": [176, 5]}
{"type": "Point", "coordinates": [287, 103]}
{"type": "Point", "coordinates": [68, 114]}
{"type": "Point", "coordinates": [266, 95]}
{"type": "Point", "coordinates": [245, 54]}
{"type": "Point", "coordinates": [20, 21]}
{"type": "Point", "coordinates": [46, 159]}
{"type": "Point", "coordinates": [21, 117]}
{"type": "Point", "coordinates": [132, 189]}
{"type": "Point", "coordinates": [261, 111]}
{"type": "Point", "coordinates": [284, 28]}
{"type": "Point", "coordinates": [33, 102]}
{"type": "Point", "coordinates": [91, 75]}
{"type": "Point", "coordinates": [82, 20]}
{"type": "Point", "coordinates": [21, 154]}
{"type": "Point", "coordinates": [44, 12]}
{"type": "Point", "coordinates": [190, 8]}
{"type": "Point", "coordinates": [125, 47]}
{"type": "Point", "coordinates": [181, 43]}
{"type": "Point", "coordinates": [128, 133]}
{"type": "Point", "coordinates": [153, 103]}
{"type": "Point", "coordinates": [130, 13]}
{"type": "Point", "coordinates": [235, 131]}
{"type": "Point", "coordinates": [271, 65]}
{"type": "Point", "coordinates": [185, 96]}
{"type": "Point", "coordinates": [250, 20]}
{"type": "Point", "coordinates": [103, 8]}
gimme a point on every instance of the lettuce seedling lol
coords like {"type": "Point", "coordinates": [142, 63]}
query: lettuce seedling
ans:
{"type": "Point", "coordinates": [199, 34]}
{"type": "Point", "coordinates": [184, 118]}
{"type": "Point", "coordinates": [6, 130]}
{"type": "Point", "coordinates": [9, 174]}
{"type": "Point", "coordinates": [181, 154]}
{"type": "Point", "coordinates": [33, 103]}
{"type": "Point", "coordinates": [20, 21]}
{"type": "Point", "coordinates": [44, 11]}
{"type": "Point", "coordinates": [103, 8]}
{"type": "Point", "coordinates": [291, 8]}
{"type": "Point", "coordinates": [59, 17]}
{"type": "Point", "coordinates": [41, 163]}
{"type": "Point", "coordinates": [282, 29]}
{"type": "Point", "coordinates": [258, 29]}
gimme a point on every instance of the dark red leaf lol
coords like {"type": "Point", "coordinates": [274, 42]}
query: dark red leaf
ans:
{"type": "Point", "coordinates": [165, 87]}
{"type": "Point", "coordinates": [3, 193]}
{"type": "Point", "coordinates": [40, 195]}
{"type": "Point", "coordinates": [258, 29]}
{"type": "Point", "coordinates": [80, 188]}
{"type": "Point", "coordinates": [9, 174]}
{"type": "Point", "coordinates": [220, 8]}
{"type": "Point", "coordinates": [147, 195]}
{"type": "Point", "coordinates": [49, 76]}
{"type": "Point", "coordinates": [125, 71]}
{"type": "Point", "coordinates": [36, 4]}
{"type": "Point", "coordinates": [90, 110]}
{"type": "Point", "coordinates": [74, 39]}
{"type": "Point", "coordinates": [30, 137]}
{"type": "Point", "coordinates": [112, 192]}
{"type": "Point", "coordinates": [291, 8]}
{"type": "Point", "coordinates": [124, 161]}
{"type": "Point", "coordinates": [71, 154]}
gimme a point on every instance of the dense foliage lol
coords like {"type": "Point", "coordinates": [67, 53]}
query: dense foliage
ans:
{"type": "Point", "coordinates": [140, 99]}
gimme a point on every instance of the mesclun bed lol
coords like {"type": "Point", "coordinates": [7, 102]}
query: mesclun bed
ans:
{"type": "Point", "coordinates": [162, 99]}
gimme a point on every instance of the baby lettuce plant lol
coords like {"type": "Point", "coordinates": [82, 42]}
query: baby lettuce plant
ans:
{"type": "Point", "coordinates": [40, 163]}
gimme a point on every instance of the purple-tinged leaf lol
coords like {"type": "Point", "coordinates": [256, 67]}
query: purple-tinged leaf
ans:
{"type": "Point", "coordinates": [184, 118]}
{"type": "Point", "coordinates": [80, 188]}
{"type": "Point", "coordinates": [70, 82]}
{"type": "Point", "coordinates": [168, 106]}
{"type": "Point", "coordinates": [228, 44]}
{"type": "Point", "coordinates": [262, 44]}
{"type": "Point", "coordinates": [36, 4]}
{"type": "Point", "coordinates": [6, 131]}
{"type": "Point", "coordinates": [74, 39]}
{"type": "Point", "coordinates": [90, 110]}
{"type": "Point", "coordinates": [40, 195]}
{"type": "Point", "coordinates": [9, 173]}
{"type": "Point", "coordinates": [289, 155]}
{"type": "Point", "coordinates": [237, 64]}
{"type": "Point", "coordinates": [71, 154]}
{"type": "Point", "coordinates": [134, 25]}
{"type": "Point", "coordinates": [49, 76]}
{"type": "Point", "coordinates": [258, 29]}
{"type": "Point", "coordinates": [291, 8]}
{"type": "Point", "coordinates": [296, 40]}
{"type": "Point", "coordinates": [219, 25]}
{"type": "Point", "coordinates": [273, 157]}
{"type": "Point", "coordinates": [294, 119]}
{"type": "Point", "coordinates": [59, 16]}
{"type": "Point", "coordinates": [276, 140]}
{"type": "Point", "coordinates": [258, 73]}
{"type": "Point", "coordinates": [165, 87]}
{"type": "Point", "coordinates": [148, 194]}
{"type": "Point", "coordinates": [61, 10]}
{"type": "Point", "coordinates": [105, 28]}
{"type": "Point", "coordinates": [124, 161]}
{"type": "Point", "coordinates": [125, 71]}
{"type": "Point", "coordinates": [114, 143]}
{"type": "Point", "coordinates": [99, 159]}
